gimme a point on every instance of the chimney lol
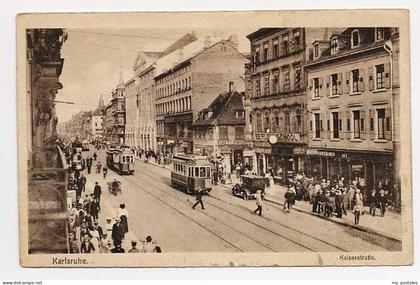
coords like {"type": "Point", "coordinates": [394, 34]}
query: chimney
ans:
{"type": "Point", "coordinates": [207, 42]}
{"type": "Point", "coordinates": [231, 86]}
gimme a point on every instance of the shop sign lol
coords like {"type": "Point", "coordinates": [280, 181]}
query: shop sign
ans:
{"type": "Point", "coordinates": [263, 150]}
{"type": "Point", "coordinates": [326, 153]}
{"type": "Point", "coordinates": [248, 153]}
{"type": "Point", "coordinates": [234, 142]}
{"type": "Point", "coordinates": [170, 141]}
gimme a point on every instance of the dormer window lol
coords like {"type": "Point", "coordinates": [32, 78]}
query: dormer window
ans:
{"type": "Point", "coordinates": [379, 34]}
{"type": "Point", "coordinates": [355, 40]}
{"type": "Point", "coordinates": [316, 50]}
{"type": "Point", "coordinates": [240, 114]}
{"type": "Point", "coordinates": [334, 45]}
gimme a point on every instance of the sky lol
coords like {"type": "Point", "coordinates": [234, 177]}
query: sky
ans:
{"type": "Point", "coordinates": [93, 59]}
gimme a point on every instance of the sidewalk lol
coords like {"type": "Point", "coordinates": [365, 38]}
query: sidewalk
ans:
{"type": "Point", "coordinates": [153, 163]}
{"type": "Point", "coordinates": [388, 226]}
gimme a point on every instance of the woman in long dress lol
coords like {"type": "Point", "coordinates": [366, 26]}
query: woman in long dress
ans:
{"type": "Point", "coordinates": [123, 214]}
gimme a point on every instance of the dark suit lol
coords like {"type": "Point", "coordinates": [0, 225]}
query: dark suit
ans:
{"type": "Point", "coordinates": [117, 233]}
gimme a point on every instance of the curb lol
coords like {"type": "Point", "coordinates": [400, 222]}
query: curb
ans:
{"type": "Point", "coordinates": [359, 228]}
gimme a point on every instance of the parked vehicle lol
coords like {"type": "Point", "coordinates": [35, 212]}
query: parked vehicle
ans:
{"type": "Point", "coordinates": [191, 173]}
{"type": "Point", "coordinates": [85, 145]}
{"type": "Point", "coordinates": [120, 160]}
{"type": "Point", "coordinates": [249, 186]}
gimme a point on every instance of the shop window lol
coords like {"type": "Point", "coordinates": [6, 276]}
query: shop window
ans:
{"type": "Point", "coordinates": [381, 123]}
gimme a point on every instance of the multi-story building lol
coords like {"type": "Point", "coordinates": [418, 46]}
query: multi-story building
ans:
{"type": "Point", "coordinates": [350, 104]}
{"type": "Point", "coordinates": [220, 129]}
{"type": "Point", "coordinates": [47, 170]}
{"type": "Point", "coordinates": [277, 99]}
{"type": "Point", "coordinates": [118, 112]}
{"type": "Point", "coordinates": [187, 80]}
{"type": "Point", "coordinates": [108, 122]}
{"type": "Point", "coordinates": [97, 120]}
{"type": "Point", "coordinates": [140, 103]}
{"type": "Point", "coordinates": [276, 91]}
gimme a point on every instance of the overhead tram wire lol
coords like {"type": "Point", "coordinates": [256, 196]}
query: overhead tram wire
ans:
{"type": "Point", "coordinates": [124, 35]}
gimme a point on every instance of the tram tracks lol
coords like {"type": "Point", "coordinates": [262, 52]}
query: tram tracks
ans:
{"type": "Point", "coordinates": [273, 228]}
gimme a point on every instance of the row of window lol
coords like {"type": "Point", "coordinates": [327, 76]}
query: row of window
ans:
{"type": "Point", "coordinates": [174, 88]}
{"type": "Point", "coordinates": [192, 171]}
{"type": "Point", "coordinates": [279, 81]}
{"type": "Point", "coordinates": [276, 121]}
{"type": "Point", "coordinates": [378, 124]}
{"type": "Point", "coordinates": [173, 75]}
{"type": "Point", "coordinates": [223, 134]}
{"type": "Point", "coordinates": [276, 47]}
{"type": "Point", "coordinates": [175, 106]}
{"type": "Point", "coordinates": [379, 79]}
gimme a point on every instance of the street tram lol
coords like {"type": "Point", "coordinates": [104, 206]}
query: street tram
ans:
{"type": "Point", "coordinates": [120, 160]}
{"type": "Point", "coordinates": [191, 173]}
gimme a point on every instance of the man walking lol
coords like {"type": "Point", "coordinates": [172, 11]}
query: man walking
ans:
{"type": "Point", "coordinates": [83, 182]}
{"type": "Point", "coordinates": [199, 199]}
{"type": "Point", "coordinates": [89, 164]}
{"type": "Point", "coordinates": [258, 199]}
{"type": "Point", "coordinates": [97, 192]}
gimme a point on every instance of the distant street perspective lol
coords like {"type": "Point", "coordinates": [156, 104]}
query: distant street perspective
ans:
{"type": "Point", "coordinates": [261, 140]}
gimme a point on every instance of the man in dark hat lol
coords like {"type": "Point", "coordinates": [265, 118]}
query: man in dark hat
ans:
{"type": "Point", "coordinates": [134, 248]}
{"type": "Point", "coordinates": [117, 248]}
{"type": "Point", "coordinates": [117, 232]}
{"type": "Point", "coordinates": [97, 191]}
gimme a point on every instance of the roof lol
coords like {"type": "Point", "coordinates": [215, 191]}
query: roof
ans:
{"type": "Point", "coordinates": [217, 108]}
{"type": "Point", "coordinates": [262, 32]}
{"type": "Point", "coordinates": [184, 54]}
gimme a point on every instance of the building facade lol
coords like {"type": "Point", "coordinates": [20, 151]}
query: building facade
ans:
{"type": "Point", "coordinates": [350, 106]}
{"type": "Point", "coordinates": [118, 112]}
{"type": "Point", "coordinates": [98, 120]}
{"type": "Point", "coordinates": [140, 103]}
{"type": "Point", "coordinates": [187, 81]}
{"type": "Point", "coordinates": [277, 94]}
{"type": "Point", "coordinates": [47, 169]}
{"type": "Point", "coordinates": [219, 130]}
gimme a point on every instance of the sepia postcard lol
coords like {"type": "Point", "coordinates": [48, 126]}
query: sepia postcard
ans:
{"type": "Point", "coordinates": [214, 139]}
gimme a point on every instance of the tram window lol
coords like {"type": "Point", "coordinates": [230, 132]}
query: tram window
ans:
{"type": "Point", "coordinates": [123, 158]}
{"type": "Point", "coordinates": [208, 172]}
{"type": "Point", "coordinates": [197, 172]}
{"type": "Point", "coordinates": [203, 172]}
{"type": "Point", "coordinates": [184, 170]}
{"type": "Point", "coordinates": [190, 174]}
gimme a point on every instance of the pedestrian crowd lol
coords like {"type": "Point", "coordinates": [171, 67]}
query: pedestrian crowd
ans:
{"type": "Point", "coordinates": [86, 234]}
{"type": "Point", "coordinates": [337, 197]}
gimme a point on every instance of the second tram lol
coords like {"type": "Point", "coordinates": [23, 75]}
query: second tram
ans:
{"type": "Point", "coordinates": [191, 173]}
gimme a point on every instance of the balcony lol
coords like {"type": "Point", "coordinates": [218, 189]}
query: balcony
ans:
{"type": "Point", "coordinates": [282, 137]}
